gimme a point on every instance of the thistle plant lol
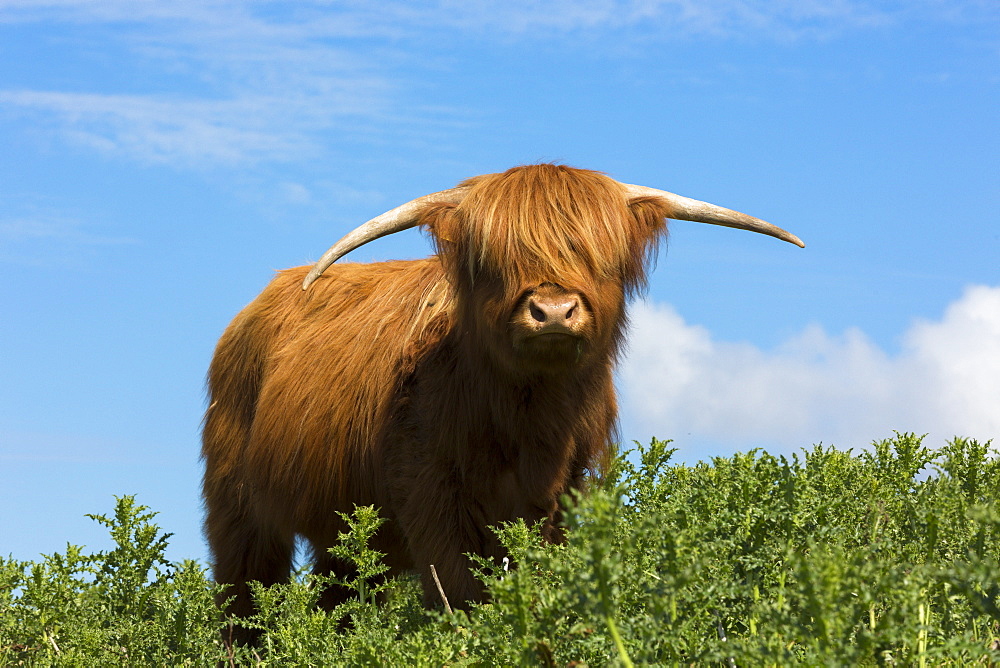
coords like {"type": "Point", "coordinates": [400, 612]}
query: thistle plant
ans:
{"type": "Point", "coordinates": [888, 556]}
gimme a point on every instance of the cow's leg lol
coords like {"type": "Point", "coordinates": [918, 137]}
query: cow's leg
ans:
{"type": "Point", "coordinates": [244, 549]}
{"type": "Point", "coordinates": [439, 531]}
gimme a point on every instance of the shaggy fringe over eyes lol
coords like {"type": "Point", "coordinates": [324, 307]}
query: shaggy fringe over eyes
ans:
{"type": "Point", "coordinates": [552, 221]}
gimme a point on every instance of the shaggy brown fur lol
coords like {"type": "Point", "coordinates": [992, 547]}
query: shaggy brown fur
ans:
{"type": "Point", "coordinates": [453, 392]}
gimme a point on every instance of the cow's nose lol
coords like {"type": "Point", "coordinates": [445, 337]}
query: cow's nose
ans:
{"type": "Point", "coordinates": [554, 311]}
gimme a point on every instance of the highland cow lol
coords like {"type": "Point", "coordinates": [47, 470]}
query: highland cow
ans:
{"type": "Point", "coordinates": [453, 393]}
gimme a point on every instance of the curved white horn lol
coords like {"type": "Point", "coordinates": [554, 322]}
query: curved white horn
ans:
{"type": "Point", "coordinates": [396, 220]}
{"type": "Point", "coordinates": [404, 217]}
{"type": "Point", "coordinates": [686, 208]}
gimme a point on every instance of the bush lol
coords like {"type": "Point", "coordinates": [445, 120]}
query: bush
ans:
{"type": "Point", "coordinates": [887, 557]}
{"type": "Point", "coordinates": [127, 606]}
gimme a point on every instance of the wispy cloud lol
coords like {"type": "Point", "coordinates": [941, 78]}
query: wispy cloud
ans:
{"type": "Point", "coordinates": [843, 389]}
{"type": "Point", "coordinates": [162, 129]}
{"type": "Point", "coordinates": [54, 229]}
{"type": "Point", "coordinates": [279, 20]}
{"type": "Point", "coordinates": [222, 85]}
{"type": "Point", "coordinates": [40, 237]}
{"type": "Point", "coordinates": [231, 82]}
{"type": "Point", "coordinates": [674, 19]}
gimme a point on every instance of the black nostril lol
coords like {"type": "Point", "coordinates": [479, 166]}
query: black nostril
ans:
{"type": "Point", "coordinates": [571, 311]}
{"type": "Point", "coordinates": [536, 313]}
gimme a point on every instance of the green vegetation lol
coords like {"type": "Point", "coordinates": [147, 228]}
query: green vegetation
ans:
{"type": "Point", "coordinates": [887, 557]}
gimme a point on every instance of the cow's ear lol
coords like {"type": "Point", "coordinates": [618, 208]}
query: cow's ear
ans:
{"type": "Point", "coordinates": [441, 220]}
{"type": "Point", "coordinates": [648, 230]}
{"type": "Point", "coordinates": [650, 215]}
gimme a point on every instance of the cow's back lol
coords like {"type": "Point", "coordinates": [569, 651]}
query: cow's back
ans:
{"type": "Point", "coordinates": [301, 384]}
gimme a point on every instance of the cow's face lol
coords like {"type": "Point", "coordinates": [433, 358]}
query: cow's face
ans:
{"type": "Point", "coordinates": [542, 259]}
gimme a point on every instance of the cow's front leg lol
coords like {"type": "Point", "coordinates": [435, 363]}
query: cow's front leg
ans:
{"type": "Point", "coordinates": [440, 528]}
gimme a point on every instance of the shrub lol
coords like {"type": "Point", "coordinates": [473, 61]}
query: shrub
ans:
{"type": "Point", "coordinates": [886, 557]}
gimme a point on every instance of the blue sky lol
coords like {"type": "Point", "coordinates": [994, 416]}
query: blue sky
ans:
{"type": "Point", "coordinates": [158, 161]}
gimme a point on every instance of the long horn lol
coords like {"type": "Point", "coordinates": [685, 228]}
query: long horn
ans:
{"type": "Point", "coordinates": [401, 218]}
{"type": "Point", "coordinates": [686, 208]}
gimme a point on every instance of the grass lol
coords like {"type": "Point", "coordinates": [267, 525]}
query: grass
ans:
{"type": "Point", "coordinates": [889, 556]}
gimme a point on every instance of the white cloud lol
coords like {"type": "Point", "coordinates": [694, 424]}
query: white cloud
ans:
{"type": "Point", "coordinates": [678, 382]}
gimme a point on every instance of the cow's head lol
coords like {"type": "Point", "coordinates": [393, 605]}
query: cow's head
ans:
{"type": "Point", "coordinates": [542, 258]}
